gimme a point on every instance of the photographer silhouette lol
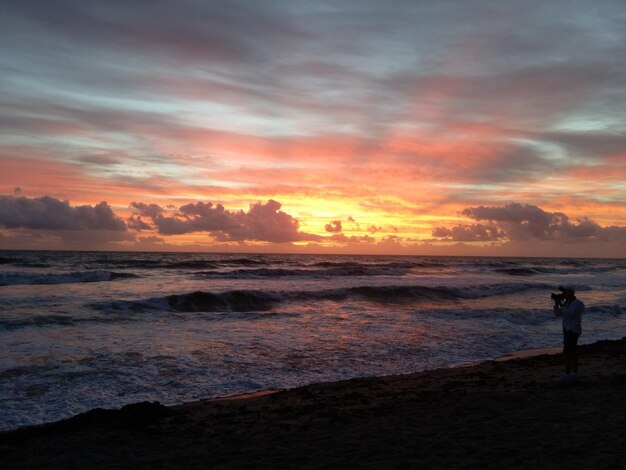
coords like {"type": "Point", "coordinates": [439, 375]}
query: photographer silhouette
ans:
{"type": "Point", "coordinates": [570, 309]}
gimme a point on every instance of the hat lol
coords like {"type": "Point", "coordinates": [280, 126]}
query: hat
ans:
{"type": "Point", "coordinates": [567, 287]}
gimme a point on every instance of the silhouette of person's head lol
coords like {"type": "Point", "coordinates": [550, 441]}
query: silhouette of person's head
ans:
{"type": "Point", "coordinates": [568, 292]}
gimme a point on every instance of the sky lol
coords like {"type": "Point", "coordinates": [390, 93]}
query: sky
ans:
{"type": "Point", "coordinates": [335, 126]}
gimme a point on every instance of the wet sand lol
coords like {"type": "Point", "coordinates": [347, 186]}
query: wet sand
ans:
{"type": "Point", "coordinates": [498, 414]}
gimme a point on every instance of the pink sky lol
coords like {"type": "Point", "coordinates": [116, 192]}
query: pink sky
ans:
{"type": "Point", "coordinates": [479, 128]}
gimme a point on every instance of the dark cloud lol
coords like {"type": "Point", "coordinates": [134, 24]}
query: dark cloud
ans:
{"type": "Point", "coordinates": [262, 222]}
{"type": "Point", "coordinates": [47, 213]}
{"type": "Point", "coordinates": [511, 213]}
{"type": "Point", "coordinates": [519, 222]}
{"type": "Point", "coordinates": [135, 223]}
{"type": "Point", "coordinates": [199, 217]}
{"type": "Point", "coordinates": [150, 210]}
{"type": "Point", "coordinates": [470, 233]}
{"type": "Point", "coordinates": [334, 226]}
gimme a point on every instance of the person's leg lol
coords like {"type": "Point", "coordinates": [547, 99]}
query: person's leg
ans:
{"type": "Point", "coordinates": [570, 359]}
{"type": "Point", "coordinates": [574, 353]}
{"type": "Point", "coordinates": [570, 343]}
{"type": "Point", "coordinates": [566, 352]}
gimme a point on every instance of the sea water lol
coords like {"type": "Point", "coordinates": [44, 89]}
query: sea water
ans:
{"type": "Point", "coordinates": [80, 330]}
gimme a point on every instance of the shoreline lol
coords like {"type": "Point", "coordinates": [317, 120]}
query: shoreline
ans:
{"type": "Point", "coordinates": [528, 353]}
{"type": "Point", "coordinates": [493, 414]}
{"type": "Point", "coordinates": [521, 354]}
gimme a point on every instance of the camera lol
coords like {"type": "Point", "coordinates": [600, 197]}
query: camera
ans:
{"type": "Point", "coordinates": [558, 299]}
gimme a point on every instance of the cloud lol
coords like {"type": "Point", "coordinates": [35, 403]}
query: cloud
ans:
{"type": "Point", "coordinates": [470, 233]}
{"type": "Point", "coordinates": [150, 210]}
{"type": "Point", "coordinates": [341, 238]}
{"type": "Point", "coordinates": [334, 226]}
{"type": "Point", "coordinates": [262, 222]}
{"type": "Point", "coordinates": [523, 222]}
{"type": "Point", "coordinates": [48, 213]}
{"type": "Point", "coordinates": [136, 223]}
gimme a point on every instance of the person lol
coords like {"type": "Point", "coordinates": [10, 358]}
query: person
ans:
{"type": "Point", "coordinates": [570, 310]}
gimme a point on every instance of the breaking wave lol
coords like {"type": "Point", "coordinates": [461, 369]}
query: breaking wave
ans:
{"type": "Point", "coordinates": [259, 301]}
{"type": "Point", "coordinates": [235, 301]}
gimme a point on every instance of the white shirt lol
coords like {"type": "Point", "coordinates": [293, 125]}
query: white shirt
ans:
{"type": "Point", "coordinates": [571, 313]}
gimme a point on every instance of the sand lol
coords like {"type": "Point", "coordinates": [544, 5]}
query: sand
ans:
{"type": "Point", "coordinates": [498, 414]}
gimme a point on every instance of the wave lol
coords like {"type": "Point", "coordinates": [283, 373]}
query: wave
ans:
{"type": "Point", "coordinates": [33, 264]}
{"type": "Point", "coordinates": [518, 271]}
{"type": "Point", "coordinates": [233, 301]}
{"type": "Point", "coordinates": [571, 269]}
{"type": "Point", "coordinates": [157, 264]}
{"type": "Point", "coordinates": [199, 301]}
{"type": "Point", "coordinates": [356, 270]}
{"type": "Point", "coordinates": [409, 293]}
{"type": "Point", "coordinates": [390, 264]}
{"type": "Point", "coordinates": [515, 316]}
{"type": "Point", "coordinates": [191, 264]}
{"type": "Point", "coordinates": [528, 316]}
{"type": "Point", "coordinates": [53, 320]}
{"type": "Point", "coordinates": [19, 278]}
{"type": "Point", "coordinates": [259, 301]}
{"type": "Point", "coordinates": [387, 294]}
{"type": "Point", "coordinates": [130, 263]}
{"type": "Point", "coordinates": [24, 263]}
{"type": "Point", "coordinates": [535, 270]}
{"type": "Point", "coordinates": [614, 310]}
{"type": "Point", "coordinates": [254, 305]}
{"type": "Point", "coordinates": [242, 262]}
{"type": "Point", "coordinates": [37, 321]}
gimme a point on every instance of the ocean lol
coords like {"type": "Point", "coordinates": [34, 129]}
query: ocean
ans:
{"type": "Point", "coordinates": [80, 330]}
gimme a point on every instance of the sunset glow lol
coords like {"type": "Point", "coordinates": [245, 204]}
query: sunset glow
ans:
{"type": "Point", "coordinates": [462, 128]}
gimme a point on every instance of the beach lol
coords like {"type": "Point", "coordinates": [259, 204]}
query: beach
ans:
{"type": "Point", "coordinates": [496, 414]}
